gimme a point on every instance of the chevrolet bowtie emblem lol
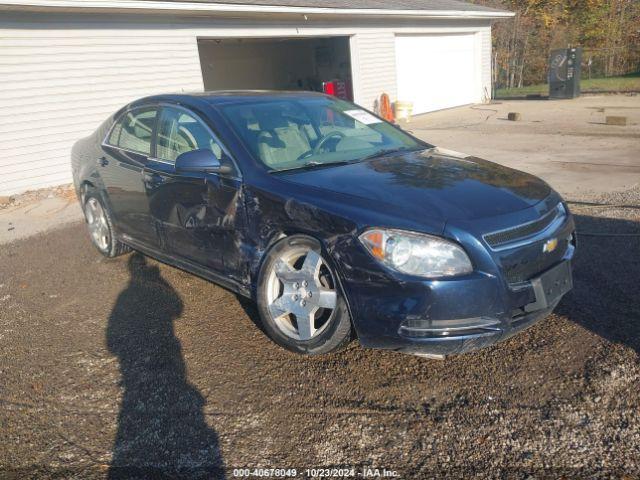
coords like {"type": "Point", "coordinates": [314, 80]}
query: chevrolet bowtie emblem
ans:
{"type": "Point", "coordinates": [550, 245]}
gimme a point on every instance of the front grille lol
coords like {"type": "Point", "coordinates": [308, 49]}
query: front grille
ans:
{"type": "Point", "coordinates": [521, 232]}
{"type": "Point", "coordinates": [534, 264]}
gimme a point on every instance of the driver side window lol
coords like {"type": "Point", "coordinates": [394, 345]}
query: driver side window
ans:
{"type": "Point", "coordinates": [179, 132]}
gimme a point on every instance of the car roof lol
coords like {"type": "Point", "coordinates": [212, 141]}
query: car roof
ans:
{"type": "Point", "coordinates": [227, 97]}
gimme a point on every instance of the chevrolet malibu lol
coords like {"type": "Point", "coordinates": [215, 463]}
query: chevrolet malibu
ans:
{"type": "Point", "coordinates": [336, 223]}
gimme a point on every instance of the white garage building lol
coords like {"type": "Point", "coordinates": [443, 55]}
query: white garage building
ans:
{"type": "Point", "coordinates": [65, 65]}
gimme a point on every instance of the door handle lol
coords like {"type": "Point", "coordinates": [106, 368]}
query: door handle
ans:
{"type": "Point", "coordinates": [103, 162]}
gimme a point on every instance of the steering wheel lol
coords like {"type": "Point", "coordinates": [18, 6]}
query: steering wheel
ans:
{"type": "Point", "coordinates": [325, 139]}
{"type": "Point", "coordinates": [321, 142]}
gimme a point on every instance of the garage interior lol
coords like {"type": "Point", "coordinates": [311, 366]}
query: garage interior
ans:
{"type": "Point", "coordinates": [276, 63]}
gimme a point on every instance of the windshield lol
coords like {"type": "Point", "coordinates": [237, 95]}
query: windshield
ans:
{"type": "Point", "coordinates": [287, 134]}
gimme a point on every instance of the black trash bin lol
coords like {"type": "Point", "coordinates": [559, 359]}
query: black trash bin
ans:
{"type": "Point", "coordinates": [564, 73]}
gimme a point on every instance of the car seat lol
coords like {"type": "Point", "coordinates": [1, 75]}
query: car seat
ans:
{"type": "Point", "coordinates": [280, 141]}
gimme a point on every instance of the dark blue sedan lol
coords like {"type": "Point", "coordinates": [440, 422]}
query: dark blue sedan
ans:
{"type": "Point", "coordinates": [337, 223]}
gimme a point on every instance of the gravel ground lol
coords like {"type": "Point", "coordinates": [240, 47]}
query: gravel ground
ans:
{"type": "Point", "coordinates": [131, 369]}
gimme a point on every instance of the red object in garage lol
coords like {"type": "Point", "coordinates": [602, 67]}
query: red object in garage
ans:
{"type": "Point", "coordinates": [336, 88]}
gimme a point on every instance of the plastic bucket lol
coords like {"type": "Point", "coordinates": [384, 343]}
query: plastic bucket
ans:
{"type": "Point", "coordinates": [403, 111]}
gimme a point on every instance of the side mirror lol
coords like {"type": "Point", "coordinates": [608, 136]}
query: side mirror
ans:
{"type": "Point", "coordinates": [200, 161]}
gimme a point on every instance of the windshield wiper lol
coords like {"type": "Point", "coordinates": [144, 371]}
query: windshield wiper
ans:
{"type": "Point", "coordinates": [389, 151]}
{"type": "Point", "coordinates": [312, 165]}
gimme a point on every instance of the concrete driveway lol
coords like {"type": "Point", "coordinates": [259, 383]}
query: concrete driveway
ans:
{"type": "Point", "coordinates": [566, 142]}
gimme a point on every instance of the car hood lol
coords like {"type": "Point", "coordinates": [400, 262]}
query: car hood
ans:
{"type": "Point", "coordinates": [436, 183]}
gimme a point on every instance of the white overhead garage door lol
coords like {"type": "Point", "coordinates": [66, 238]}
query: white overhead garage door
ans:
{"type": "Point", "coordinates": [438, 71]}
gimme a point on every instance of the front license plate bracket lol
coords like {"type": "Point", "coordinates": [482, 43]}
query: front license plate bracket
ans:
{"type": "Point", "coordinates": [551, 286]}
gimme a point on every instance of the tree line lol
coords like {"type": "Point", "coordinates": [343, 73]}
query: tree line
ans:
{"type": "Point", "coordinates": [608, 31]}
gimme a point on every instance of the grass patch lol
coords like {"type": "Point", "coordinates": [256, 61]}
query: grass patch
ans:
{"type": "Point", "coordinates": [626, 83]}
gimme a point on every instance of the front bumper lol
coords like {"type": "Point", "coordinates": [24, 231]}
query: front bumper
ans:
{"type": "Point", "coordinates": [458, 315]}
{"type": "Point", "coordinates": [455, 342]}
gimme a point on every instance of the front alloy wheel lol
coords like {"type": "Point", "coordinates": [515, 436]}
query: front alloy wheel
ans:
{"type": "Point", "coordinates": [299, 299]}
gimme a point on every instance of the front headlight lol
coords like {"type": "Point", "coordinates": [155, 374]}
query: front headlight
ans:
{"type": "Point", "coordinates": [416, 254]}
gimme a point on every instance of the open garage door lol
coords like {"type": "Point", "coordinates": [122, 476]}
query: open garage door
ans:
{"type": "Point", "coordinates": [438, 71]}
{"type": "Point", "coordinates": [277, 64]}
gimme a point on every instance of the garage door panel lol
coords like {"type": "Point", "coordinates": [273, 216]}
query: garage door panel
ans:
{"type": "Point", "coordinates": [437, 71]}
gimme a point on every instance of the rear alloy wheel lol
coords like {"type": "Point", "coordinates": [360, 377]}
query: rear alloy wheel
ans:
{"type": "Point", "coordinates": [97, 224]}
{"type": "Point", "coordinates": [100, 227]}
{"type": "Point", "coordinates": [299, 299]}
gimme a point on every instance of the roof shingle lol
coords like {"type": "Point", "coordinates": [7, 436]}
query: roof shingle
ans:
{"type": "Point", "coordinates": [449, 5]}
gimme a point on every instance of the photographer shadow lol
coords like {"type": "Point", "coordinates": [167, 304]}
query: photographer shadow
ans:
{"type": "Point", "coordinates": [162, 432]}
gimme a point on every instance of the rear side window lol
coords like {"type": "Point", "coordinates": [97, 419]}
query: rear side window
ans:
{"type": "Point", "coordinates": [134, 131]}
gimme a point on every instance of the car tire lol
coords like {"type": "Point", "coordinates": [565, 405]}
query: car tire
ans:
{"type": "Point", "coordinates": [100, 225]}
{"type": "Point", "coordinates": [299, 298]}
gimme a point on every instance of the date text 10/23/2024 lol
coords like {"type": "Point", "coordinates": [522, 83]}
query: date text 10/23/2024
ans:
{"type": "Point", "coordinates": [364, 472]}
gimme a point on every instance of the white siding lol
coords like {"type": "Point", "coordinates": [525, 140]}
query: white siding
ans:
{"type": "Point", "coordinates": [59, 81]}
{"type": "Point", "coordinates": [376, 67]}
{"type": "Point", "coordinates": [62, 75]}
{"type": "Point", "coordinates": [486, 49]}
